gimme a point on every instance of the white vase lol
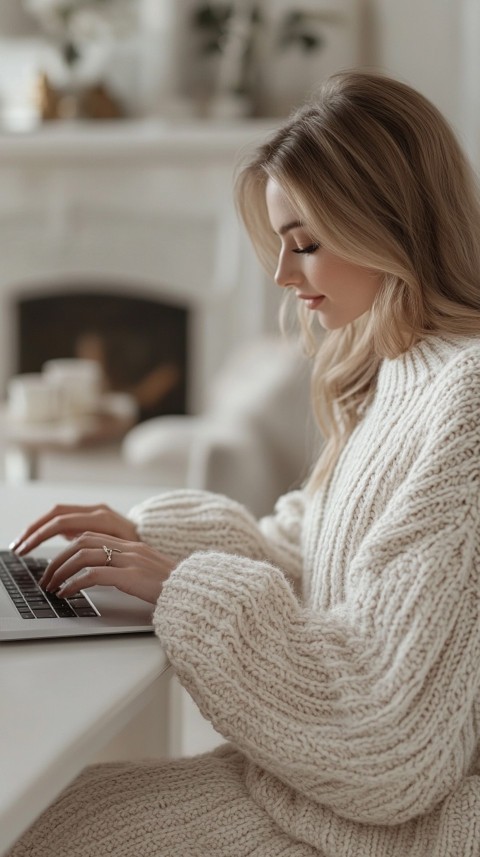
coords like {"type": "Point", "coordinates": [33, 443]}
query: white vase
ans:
{"type": "Point", "coordinates": [163, 26]}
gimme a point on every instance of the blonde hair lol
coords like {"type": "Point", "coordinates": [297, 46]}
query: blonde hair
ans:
{"type": "Point", "coordinates": [378, 178]}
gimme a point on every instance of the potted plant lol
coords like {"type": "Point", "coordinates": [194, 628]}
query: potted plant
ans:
{"type": "Point", "coordinates": [233, 32]}
{"type": "Point", "coordinates": [228, 32]}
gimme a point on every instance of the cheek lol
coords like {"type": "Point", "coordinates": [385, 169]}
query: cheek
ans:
{"type": "Point", "coordinates": [346, 284]}
{"type": "Point", "coordinates": [373, 283]}
{"type": "Point", "coordinates": [360, 286]}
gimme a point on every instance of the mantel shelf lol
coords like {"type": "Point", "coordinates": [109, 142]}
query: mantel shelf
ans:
{"type": "Point", "coordinates": [130, 140]}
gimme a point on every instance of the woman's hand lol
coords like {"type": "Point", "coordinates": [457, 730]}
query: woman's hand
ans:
{"type": "Point", "coordinates": [71, 521]}
{"type": "Point", "coordinates": [133, 567]}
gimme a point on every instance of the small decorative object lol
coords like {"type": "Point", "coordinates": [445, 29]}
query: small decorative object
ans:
{"type": "Point", "coordinates": [80, 35]}
{"type": "Point", "coordinates": [94, 102]}
{"type": "Point", "coordinates": [46, 99]}
{"type": "Point", "coordinates": [229, 30]}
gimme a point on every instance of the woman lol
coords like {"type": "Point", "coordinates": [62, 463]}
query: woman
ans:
{"type": "Point", "coordinates": [336, 643]}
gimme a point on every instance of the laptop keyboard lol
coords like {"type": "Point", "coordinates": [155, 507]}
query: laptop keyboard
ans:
{"type": "Point", "coordinates": [20, 576]}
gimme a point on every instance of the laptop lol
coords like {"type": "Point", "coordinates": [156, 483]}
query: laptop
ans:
{"type": "Point", "coordinates": [27, 612]}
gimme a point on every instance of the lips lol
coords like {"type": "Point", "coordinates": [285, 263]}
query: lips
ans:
{"type": "Point", "coordinates": [312, 301]}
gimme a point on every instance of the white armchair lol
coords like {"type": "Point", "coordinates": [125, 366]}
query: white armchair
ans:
{"type": "Point", "coordinates": [254, 440]}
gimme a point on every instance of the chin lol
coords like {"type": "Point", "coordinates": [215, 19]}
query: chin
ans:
{"type": "Point", "coordinates": [332, 324]}
{"type": "Point", "coordinates": [336, 322]}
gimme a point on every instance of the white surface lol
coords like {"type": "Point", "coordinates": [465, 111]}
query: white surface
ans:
{"type": "Point", "coordinates": [21, 505]}
{"type": "Point", "coordinates": [88, 142]}
{"type": "Point", "coordinates": [62, 700]}
{"type": "Point", "coordinates": [420, 42]}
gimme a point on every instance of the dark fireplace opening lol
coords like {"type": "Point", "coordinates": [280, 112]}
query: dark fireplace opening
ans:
{"type": "Point", "coordinates": [141, 344]}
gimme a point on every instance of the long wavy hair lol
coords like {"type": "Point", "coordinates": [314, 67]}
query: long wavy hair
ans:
{"type": "Point", "coordinates": [378, 177]}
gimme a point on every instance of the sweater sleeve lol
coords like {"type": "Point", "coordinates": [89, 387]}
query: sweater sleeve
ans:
{"type": "Point", "coordinates": [185, 521]}
{"type": "Point", "coordinates": [367, 708]}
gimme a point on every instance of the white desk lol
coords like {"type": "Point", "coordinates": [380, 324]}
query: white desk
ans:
{"type": "Point", "coordinates": [62, 701]}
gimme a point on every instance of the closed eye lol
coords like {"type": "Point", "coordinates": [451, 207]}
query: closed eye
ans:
{"type": "Point", "coordinates": [310, 249]}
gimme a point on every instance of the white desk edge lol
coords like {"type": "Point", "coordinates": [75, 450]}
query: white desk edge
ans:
{"type": "Point", "coordinates": [45, 741]}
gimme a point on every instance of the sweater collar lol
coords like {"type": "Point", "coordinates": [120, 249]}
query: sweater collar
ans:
{"type": "Point", "coordinates": [418, 366]}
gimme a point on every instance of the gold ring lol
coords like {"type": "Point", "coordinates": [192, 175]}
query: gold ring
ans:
{"type": "Point", "coordinates": [109, 552]}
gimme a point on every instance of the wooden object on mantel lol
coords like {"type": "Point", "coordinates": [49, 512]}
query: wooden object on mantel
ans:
{"type": "Point", "coordinates": [94, 102]}
{"type": "Point", "coordinates": [25, 441]}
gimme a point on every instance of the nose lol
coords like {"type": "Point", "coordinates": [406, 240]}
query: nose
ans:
{"type": "Point", "coordinates": [287, 273]}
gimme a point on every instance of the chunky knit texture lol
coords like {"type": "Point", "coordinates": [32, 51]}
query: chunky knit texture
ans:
{"type": "Point", "coordinates": [335, 644]}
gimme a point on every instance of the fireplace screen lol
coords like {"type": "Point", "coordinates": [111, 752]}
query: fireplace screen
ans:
{"type": "Point", "coordinates": [140, 344]}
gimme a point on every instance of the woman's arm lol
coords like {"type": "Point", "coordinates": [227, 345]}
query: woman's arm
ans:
{"type": "Point", "coordinates": [159, 533]}
{"type": "Point", "coordinates": [367, 708]}
{"type": "Point", "coordinates": [186, 521]}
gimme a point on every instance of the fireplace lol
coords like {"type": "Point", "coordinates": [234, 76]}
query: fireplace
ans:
{"type": "Point", "coordinates": [138, 209]}
{"type": "Point", "coordinates": [140, 343]}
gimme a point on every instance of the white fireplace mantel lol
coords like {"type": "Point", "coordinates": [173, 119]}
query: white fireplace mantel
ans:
{"type": "Point", "coordinates": [134, 206]}
{"type": "Point", "coordinates": [85, 142]}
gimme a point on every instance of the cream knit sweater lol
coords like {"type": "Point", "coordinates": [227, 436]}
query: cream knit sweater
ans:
{"type": "Point", "coordinates": [335, 644]}
{"type": "Point", "coordinates": [358, 706]}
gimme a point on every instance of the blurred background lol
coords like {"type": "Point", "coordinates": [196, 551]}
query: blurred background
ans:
{"type": "Point", "coordinates": [121, 124]}
{"type": "Point", "coordinates": [179, 57]}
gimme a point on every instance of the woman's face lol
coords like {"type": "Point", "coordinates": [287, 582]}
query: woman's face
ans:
{"type": "Point", "coordinates": [337, 290]}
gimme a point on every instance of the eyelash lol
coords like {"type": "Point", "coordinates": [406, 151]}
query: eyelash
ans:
{"type": "Point", "coordinates": [307, 250]}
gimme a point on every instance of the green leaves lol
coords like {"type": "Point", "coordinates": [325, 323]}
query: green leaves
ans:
{"type": "Point", "coordinates": [212, 19]}
{"type": "Point", "coordinates": [296, 29]}
{"type": "Point", "coordinates": [70, 53]}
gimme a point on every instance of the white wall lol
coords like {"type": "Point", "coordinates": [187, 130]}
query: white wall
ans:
{"type": "Point", "coordinates": [418, 41]}
{"type": "Point", "coordinates": [13, 19]}
{"type": "Point", "coordinates": [469, 96]}
{"type": "Point", "coordinates": [435, 46]}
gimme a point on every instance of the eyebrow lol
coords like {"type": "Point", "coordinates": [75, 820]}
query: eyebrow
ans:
{"type": "Point", "coordinates": [294, 224]}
